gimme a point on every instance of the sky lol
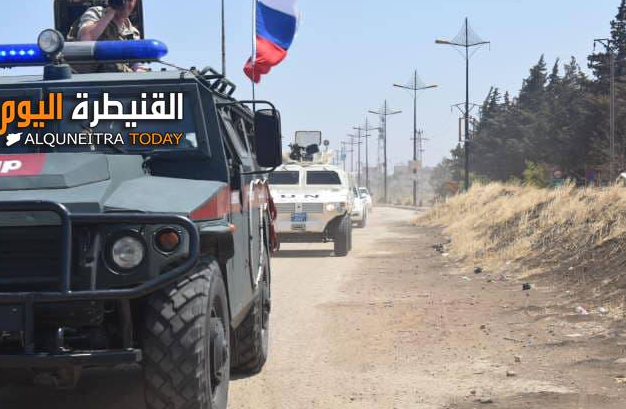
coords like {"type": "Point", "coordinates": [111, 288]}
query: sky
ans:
{"type": "Point", "coordinates": [348, 53]}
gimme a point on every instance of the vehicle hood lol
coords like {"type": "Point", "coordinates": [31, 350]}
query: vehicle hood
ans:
{"type": "Point", "coordinates": [95, 183]}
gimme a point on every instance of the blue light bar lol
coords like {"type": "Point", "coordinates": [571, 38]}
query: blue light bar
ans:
{"type": "Point", "coordinates": [130, 50]}
{"type": "Point", "coordinates": [22, 55]}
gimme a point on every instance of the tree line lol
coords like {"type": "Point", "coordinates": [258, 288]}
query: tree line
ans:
{"type": "Point", "coordinates": [559, 121]}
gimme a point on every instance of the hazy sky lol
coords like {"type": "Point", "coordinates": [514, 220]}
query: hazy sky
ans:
{"type": "Point", "coordinates": [349, 53]}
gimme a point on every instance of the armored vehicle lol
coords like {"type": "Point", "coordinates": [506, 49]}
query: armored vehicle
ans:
{"type": "Point", "coordinates": [153, 251]}
{"type": "Point", "coordinates": [314, 199]}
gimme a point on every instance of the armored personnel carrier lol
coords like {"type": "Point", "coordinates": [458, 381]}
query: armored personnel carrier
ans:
{"type": "Point", "coordinates": [135, 220]}
{"type": "Point", "coordinates": [314, 199]}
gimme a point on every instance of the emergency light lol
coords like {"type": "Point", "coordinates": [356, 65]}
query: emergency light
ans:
{"type": "Point", "coordinates": [24, 55]}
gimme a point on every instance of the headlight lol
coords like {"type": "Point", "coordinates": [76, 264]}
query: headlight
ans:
{"type": "Point", "coordinates": [51, 41]}
{"type": "Point", "coordinates": [128, 253]}
{"type": "Point", "coordinates": [331, 207]}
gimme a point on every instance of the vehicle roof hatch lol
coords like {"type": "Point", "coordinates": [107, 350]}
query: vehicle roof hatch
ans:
{"type": "Point", "coordinates": [66, 12]}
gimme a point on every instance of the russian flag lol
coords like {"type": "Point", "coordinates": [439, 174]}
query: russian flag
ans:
{"type": "Point", "coordinates": [276, 25]}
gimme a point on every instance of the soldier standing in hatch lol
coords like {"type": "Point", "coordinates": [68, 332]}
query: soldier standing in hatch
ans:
{"type": "Point", "coordinates": [107, 24]}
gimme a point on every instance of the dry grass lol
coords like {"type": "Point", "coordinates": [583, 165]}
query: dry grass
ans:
{"type": "Point", "coordinates": [577, 233]}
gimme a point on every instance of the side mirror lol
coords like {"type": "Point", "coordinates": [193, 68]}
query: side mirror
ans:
{"type": "Point", "coordinates": [268, 138]}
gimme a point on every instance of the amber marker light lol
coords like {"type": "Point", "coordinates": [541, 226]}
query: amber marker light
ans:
{"type": "Point", "coordinates": [167, 240]}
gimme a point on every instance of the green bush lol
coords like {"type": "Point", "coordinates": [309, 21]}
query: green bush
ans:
{"type": "Point", "coordinates": [536, 175]}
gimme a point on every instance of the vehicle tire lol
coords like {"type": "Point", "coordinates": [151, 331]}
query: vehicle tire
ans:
{"type": "Point", "coordinates": [343, 237]}
{"type": "Point", "coordinates": [186, 343]}
{"type": "Point", "coordinates": [363, 222]}
{"type": "Point", "coordinates": [251, 339]}
{"type": "Point", "coordinates": [351, 236]}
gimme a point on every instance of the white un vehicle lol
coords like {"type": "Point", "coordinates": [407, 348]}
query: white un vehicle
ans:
{"type": "Point", "coordinates": [314, 199]}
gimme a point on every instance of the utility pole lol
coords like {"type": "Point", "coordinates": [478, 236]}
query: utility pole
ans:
{"type": "Point", "coordinates": [366, 129]}
{"type": "Point", "coordinates": [467, 39]}
{"type": "Point", "coordinates": [351, 151]}
{"type": "Point", "coordinates": [418, 147]}
{"type": "Point", "coordinates": [357, 138]}
{"type": "Point", "coordinates": [610, 47]}
{"type": "Point", "coordinates": [415, 85]}
{"type": "Point", "coordinates": [358, 165]}
{"type": "Point", "coordinates": [385, 112]}
{"type": "Point", "coordinates": [344, 153]}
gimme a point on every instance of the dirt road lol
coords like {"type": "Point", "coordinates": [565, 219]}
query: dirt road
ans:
{"type": "Point", "coordinates": [397, 325]}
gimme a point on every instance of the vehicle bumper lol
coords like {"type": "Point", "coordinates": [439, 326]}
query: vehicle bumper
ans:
{"type": "Point", "coordinates": [74, 359]}
{"type": "Point", "coordinates": [316, 223]}
{"type": "Point", "coordinates": [357, 216]}
{"type": "Point", "coordinates": [302, 238]}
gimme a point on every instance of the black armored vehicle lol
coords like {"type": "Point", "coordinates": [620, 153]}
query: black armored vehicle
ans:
{"type": "Point", "coordinates": [135, 221]}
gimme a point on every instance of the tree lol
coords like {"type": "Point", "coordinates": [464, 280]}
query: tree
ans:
{"type": "Point", "coordinates": [559, 119]}
{"type": "Point", "coordinates": [536, 175]}
{"type": "Point", "coordinates": [599, 62]}
{"type": "Point", "coordinates": [534, 86]}
{"type": "Point", "coordinates": [554, 79]}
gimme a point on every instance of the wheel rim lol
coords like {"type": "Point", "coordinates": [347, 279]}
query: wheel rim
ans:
{"type": "Point", "coordinates": [218, 352]}
{"type": "Point", "coordinates": [266, 305]}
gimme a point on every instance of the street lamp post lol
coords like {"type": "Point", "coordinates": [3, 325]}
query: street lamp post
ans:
{"type": "Point", "coordinates": [415, 85]}
{"type": "Point", "coordinates": [385, 112]}
{"type": "Point", "coordinates": [464, 40]}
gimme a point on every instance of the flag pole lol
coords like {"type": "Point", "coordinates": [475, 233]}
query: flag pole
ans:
{"type": "Point", "coordinates": [223, 39]}
{"type": "Point", "coordinates": [254, 6]}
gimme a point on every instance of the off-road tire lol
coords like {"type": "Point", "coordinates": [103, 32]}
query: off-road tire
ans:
{"type": "Point", "coordinates": [351, 236]}
{"type": "Point", "coordinates": [185, 338]}
{"type": "Point", "coordinates": [362, 223]}
{"type": "Point", "coordinates": [251, 338]}
{"type": "Point", "coordinates": [343, 237]}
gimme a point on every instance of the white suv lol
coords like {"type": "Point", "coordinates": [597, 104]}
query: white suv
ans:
{"type": "Point", "coordinates": [314, 203]}
{"type": "Point", "coordinates": [367, 198]}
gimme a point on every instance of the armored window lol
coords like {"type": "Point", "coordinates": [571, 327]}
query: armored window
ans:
{"type": "Point", "coordinates": [322, 178]}
{"type": "Point", "coordinates": [284, 178]}
{"type": "Point", "coordinates": [238, 142]}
